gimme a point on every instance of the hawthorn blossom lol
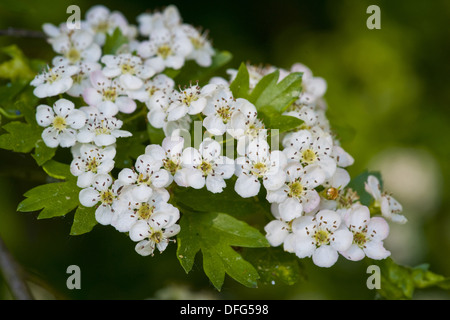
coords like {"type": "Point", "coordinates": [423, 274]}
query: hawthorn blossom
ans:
{"type": "Point", "coordinates": [219, 110]}
{"type": "Point", "coordinates": [130, 211]}
{"type": "Point", "coordinates": [205, 166]}
{"type": "Point", "coordinates": [165, 49]}
{"type": "Point", "coordinates": [190, 100]}
{"type": "Point", "coordinates": [153, 233]}
{"type": "Point", "coordinates": [202, 50]}
{"type": "Point", "coordinates": [169, 18]}
{"type": "Point", "coordinates": [92, 161]}
{"type": "Point", "coordinates": [105, 191]}
{"type": "Point", "coordinates": [101, 21]}
{"type": "Point", "coordinates": [368, 235]}
{"type": "Point", "coordinates": [259, 163]}
{"type": "Point", "coordinates": [54, 81]}
{"type": "Point", "coordinates": [102, 131]}
{"type": "Point", "coordinates": [389, 206]}
{"type": "Point", "coordinates": [107, 95]}
{"type": "Point", "coordinates": [130, 70]}
{"type": "Point", "coordinates": [319, 237]}
{"type": "Point", "coordinates": [309, 148]}
{"type": "Point", "coordinates": [147, 176]}
{"type": "Point", "coordinates": [158, 83]}
{"type": "Point", "coordinates": [297, 195]}
{"type": "Point", "coordinates": [61, 123]}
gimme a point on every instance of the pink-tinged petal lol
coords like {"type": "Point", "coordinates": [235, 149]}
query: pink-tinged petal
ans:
{"type": "Point", "coordinates": [325, 256]}
{"type": "Point", "coordinates": [126, 105]}
{"type": "Point", "coordinates": [247, 186]}
{"type": "Point", "coordinates": [91, 96]}
{"type": "Point", "coordinates": [372, 186]}
{"type": "Point", "coordinates": [99, 80]}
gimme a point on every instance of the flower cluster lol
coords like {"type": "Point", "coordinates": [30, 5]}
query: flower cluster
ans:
{"type": "Point", "coordinates": [315, 213]}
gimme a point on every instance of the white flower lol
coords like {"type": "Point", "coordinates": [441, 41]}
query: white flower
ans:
{"type": "Point", "coordinates": [101, 21]}
{"type": "Point", "coordinates": [191, 100]}
{"type": "Point", "coordinates": [154, 233]}
{"type": "Point", "coordinates": [320, 237]}
{"type": "Point", "coordinates": [202, 50]}
{"type": "Point", "coordinates": [310, 149]}
{"type": "Point", "coordinates": [129, 69]}
{"type": "Point", "coordinates": [297, 194]}
{"type": "Point", "coordinates": [101, 130]}
{"type": "Point", "coordinates": [169, 153]}
{"type": "Point", "coordinates": [259, 163]}
{"type": "Point", "coordinates": [219, 110]}
{"type": "Point", "coordinates": [103, 190]}
{"type": "Point", "coordinates": [61, 123]}
{"type": "Point", "coordinates": [368, 235]}
{"type": "Point", "coordinates": [389, 206]}
{"type": "Point", "coordinates": [54, 81]}
{"type": "Point", "coordinates": [160, 82]}
{"type": "Point", "coordinates": [165, 49]}
{"type": "Point", "coordinates": [92, 161]}
{"type": "Point", "coordinates": [148, 175]}
{"type": "Point", "coordinates": [245, 125]}
{"type": "Point", "coordinates": [107, 95]}
{"type": "Point", "coordinates": [276, 232]}
{"type": "Point", "coordinates": [205, 166]}
{"type": "Point", "coordinates": [131, 211]}
{"type": "Point", "coordinates": [75, 46]}
{"type": "Point", "coordinates": [303, 112]}
{"type": "Point", "coordinates": [169, 18]}
{"type": "Point", "coordinates": [313, 87]}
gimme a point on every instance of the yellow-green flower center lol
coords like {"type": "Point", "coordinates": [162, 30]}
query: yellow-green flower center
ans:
{"type": "Point", "coordinates": [73, 55]}
{"type": "Point", "coordinates": [309, 156]}
{"type": "Point", "coordinates": [164, 51]}
{"type": "Point", "coordinates": [107, 197]}
{"type": "Point", "coordinates": [127, 68]}
{"type": "Point", "coordinates": [145, 211]}
{"type": "Point", "coordinates": [295, 189]}
{"type": "Point", "coordinates": [59, 123]}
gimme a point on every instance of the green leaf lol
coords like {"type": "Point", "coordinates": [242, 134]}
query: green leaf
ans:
{"type": "Point", "coordinates": [400, 282]}
{"type": "Point", "coordinates": [275, 265]}
{"type": "Point", "coordinates": [278, 121]}
{"type": "Point", "coordinates": [240, 87]}
{"type": "Point", "coordinates": [358, 185]}
{"type": "Point", "coordinates": [269, 93]}
{"type": "Point", "coordinates": [192, 72]}
{"type": "Point", "coordinates": [228, 201]}
{"type": "Point", "coordinates": [84, 221]}
{"type": "Point", "coordinates": [42, 153]}
{"type": "Point", "coordinates": [18, 67]}
{"type": "Point", "coordinates": [214, 234]}
{"type": "Point", "coordinates": [114, 41]}
{"type": "Point", "coordinates": [20, 136]}
{"type": "Point", "coordinates": [54, 199]}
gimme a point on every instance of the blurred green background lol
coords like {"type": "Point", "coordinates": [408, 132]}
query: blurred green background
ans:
{"type": "Point", "coordinates": [388, 99]}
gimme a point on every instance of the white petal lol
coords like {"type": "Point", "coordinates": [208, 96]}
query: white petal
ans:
{"type": "Point", "coordinates": [104, 215]}
{"type": "Point", "coordinates": [276, 232]}
{"type": "Point", "coordinates": [354, 253]}
{"type": "Point", "coordinates": [375, 250]}
{"type": "Point", "coordinates": [325, 256]}
{"type": "Point", "coordinates": [139, 231]}
{"type": "Point", "coordinates": [215, 184]}
{"type": "Point", "coordinates": [89, 197]}
{"type": "Point", "coordinates": [247, 186]}
{"type": "Point", "coordinates": [304, 246]}
{"type": "Point", "coordinates": [290, 209]}
{"type": "Point", "coordinates": [342, 239]}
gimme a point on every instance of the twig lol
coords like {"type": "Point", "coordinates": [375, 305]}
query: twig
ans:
{"type": "Point", "coordinates": [22, 33]}
{"type": "Point", "coordinates": [12, 274]}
